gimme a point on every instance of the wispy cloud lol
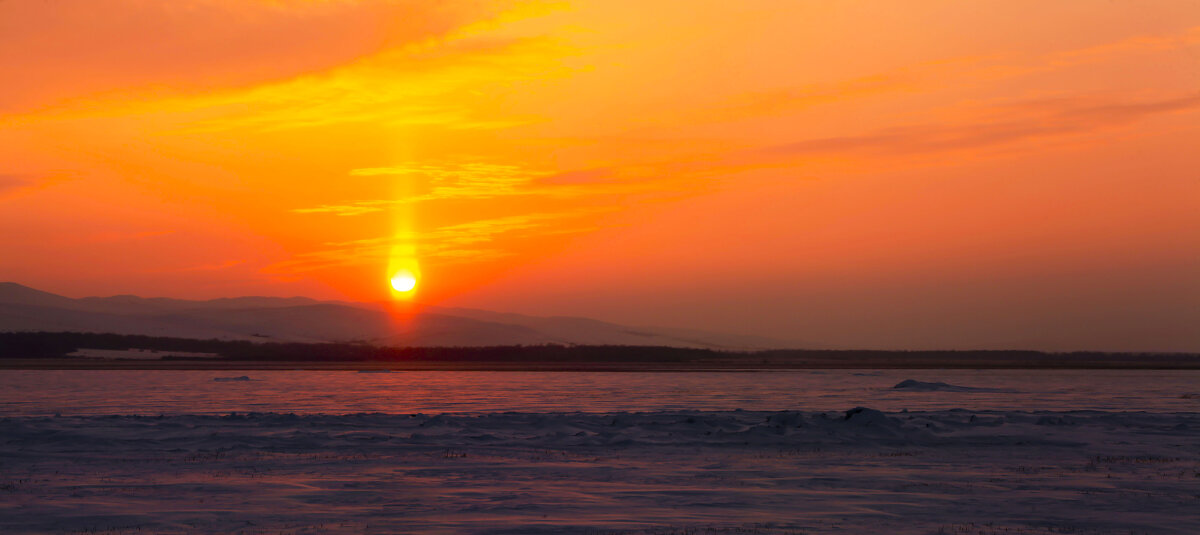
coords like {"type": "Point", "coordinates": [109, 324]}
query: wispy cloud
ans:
{"type": "Point", "coordinates": [465, 181]}
{"type": "Point", "coordinates": [118, 236]}
{"type": "Point", "coordinates": [473, 241]}
{"type": "Point", "coordinates": [353, 209]}
{"type": "Point", "coordinates": [1132, 45]}
{"type": "Point", "coordinates": [928, 75]}
{"type": "Point", "coordinates": [480, 181]}
{"type": "Point", "coordinates": [791, 99]}
{"type": "Point", "coordinates": [13, 184]}
{"type": "Point", "coordinates": [1007, 66]}
{"type": "Point", "coordinates": [1042, 119]}
{"type": "Point", "coordinates": [214, 266]}
{"type": "Point", "coordinates": [440, 81]}
{"type": "Point", "coordinates": [449, 181]}
{"type": "Point", "coordinates": [68, 49]}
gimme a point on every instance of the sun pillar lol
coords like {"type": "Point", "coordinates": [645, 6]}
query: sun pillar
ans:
{"type": "Point", "coordinates": [403, 272]}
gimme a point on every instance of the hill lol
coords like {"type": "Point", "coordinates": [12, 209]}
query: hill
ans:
{"type": "Point", "coordinates": [304, 320]}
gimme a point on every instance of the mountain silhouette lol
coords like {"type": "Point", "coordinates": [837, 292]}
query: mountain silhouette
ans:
{"type": "Point", "coordinates": [300, 319]}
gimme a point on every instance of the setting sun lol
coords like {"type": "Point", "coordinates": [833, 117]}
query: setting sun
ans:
{"type": "Point", "coordinates": [403, 281]}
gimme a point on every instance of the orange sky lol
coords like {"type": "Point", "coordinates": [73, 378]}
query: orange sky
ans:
{"type": "Point", "coordinates": [853, 174]}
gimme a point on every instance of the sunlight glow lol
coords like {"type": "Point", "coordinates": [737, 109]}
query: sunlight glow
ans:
{"type": "Point", "coordinates": [404, 281]}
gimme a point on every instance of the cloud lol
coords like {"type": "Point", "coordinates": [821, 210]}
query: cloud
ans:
{"type": "Point", "coordinates": [473, 241]}
{"type": "Point", "coordinates": [13, 184]}
{"type": "Point", "coordinates": [790, 99]}
{"type": "Point", "coordinates": [447, 181]}
{"type": "Point", "coordinates": [481, 181]}
{"type": "Point", "coordinates": [1132, 45]}
{"type": "Point", "coordinates": [441, 83]}
{"type": "Point", "coordinates": [446, 80]}
{"type": "Point", "coordinates": [584, 176]}
{"type": "Point", "coordinates": [489, 239]}
{"type": "Point", "coordinates": [215, 267]}
{"type": "Point", "coordinates": [69, 48]}
{"type": "Point", "coordinates": [119, 236]}
{"type": "Point", "coordinates": [1043, 119]}
{"type": "Point", "coordinates": [931, 75]}
{"type": "Point", "coordinates": [464, 181]}
{"type": "Point", "coordinates": [1001, 67]}
{"type": "Point", "coordinates": [928, 76]}
{"type": "Point", "coordinates": [358, 208]}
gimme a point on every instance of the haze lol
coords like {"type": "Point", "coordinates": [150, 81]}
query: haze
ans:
{"type": "Point", "coordinates": [930, 174]}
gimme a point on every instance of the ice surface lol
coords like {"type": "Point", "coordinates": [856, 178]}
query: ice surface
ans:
{"type": "Point", "coordinates": [663, 471]}
{"type": "Point", "coordinates": [1056, 451]}
{"type": "Point", "coordinates": [913, 385]}
{"type": "Point", "coordinates": [103, 392]}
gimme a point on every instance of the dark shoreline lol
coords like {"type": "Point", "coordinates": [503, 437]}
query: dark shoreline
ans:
{"type": "Point", "coordinates": [219, 364]}
{"type": "Point", "coordinates": [59, 351]}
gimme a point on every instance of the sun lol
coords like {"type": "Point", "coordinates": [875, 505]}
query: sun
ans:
{"type": "Point", "coordinates": [404, 281]}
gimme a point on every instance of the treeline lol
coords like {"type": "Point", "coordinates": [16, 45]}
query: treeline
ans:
{"type": "Point", "coordinates": [60, 345]}
{"type": "Point", "coordinates": [43, 345]}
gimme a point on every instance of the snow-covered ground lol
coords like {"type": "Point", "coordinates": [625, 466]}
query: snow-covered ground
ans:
{"type": "Point", "coordinates": [656, 472]}
{"type": "Point", "coordinates": [153, 392]}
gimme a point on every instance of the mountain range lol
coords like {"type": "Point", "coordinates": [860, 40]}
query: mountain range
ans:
{"type": "Point", "coordinates": [300, 319]}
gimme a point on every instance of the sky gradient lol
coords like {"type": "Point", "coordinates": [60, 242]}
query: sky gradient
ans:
{"type": "Point", "coordinates": [926, 174]}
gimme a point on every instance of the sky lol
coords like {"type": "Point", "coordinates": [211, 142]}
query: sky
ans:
{"type": "Point", "coordinates": [872, 174]}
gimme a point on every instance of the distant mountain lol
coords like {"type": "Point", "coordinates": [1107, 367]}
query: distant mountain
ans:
{"type": "Point", "coordinates": [135, 304]}
{"type": "Point", "coordinates": [300, 319]}
{"type": "Point", "coordinates": [595, 332]}
{"type": "Point", "coordinates": [16, 294]}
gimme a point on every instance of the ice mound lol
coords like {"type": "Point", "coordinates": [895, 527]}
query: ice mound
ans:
{"type": "Point", "coordinates": [231, 379]}
{"type": "Point", "coordinates": [913, 385]}
{"type": "Point", "coordinates": [865, 416]}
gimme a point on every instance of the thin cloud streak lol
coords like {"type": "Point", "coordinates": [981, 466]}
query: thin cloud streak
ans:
{"type": "Point", "coordinates": [479, 181]}
{"type": "Point", "coordinates": [69, 49]}
{"type": "Point", "coordinates": [941, 137]}
{"type": "Point", "coordinates": [16, 184]}
{"type": "Point", "coordinates": [451, 244]}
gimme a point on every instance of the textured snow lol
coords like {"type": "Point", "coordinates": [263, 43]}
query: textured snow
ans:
{"type": "Point", "coordinates": [664, 471]}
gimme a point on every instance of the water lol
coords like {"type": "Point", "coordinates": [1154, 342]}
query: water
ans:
{"type": "Point", "coordinates": [152, 392]}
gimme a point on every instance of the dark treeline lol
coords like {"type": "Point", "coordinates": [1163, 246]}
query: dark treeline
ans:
{"type": "Point", "coordinates": [42, 345]}
{"type": "Point", "coordinates": [60, 345]}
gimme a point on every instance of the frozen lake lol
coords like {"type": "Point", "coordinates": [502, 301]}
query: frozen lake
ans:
{"type": "Point", "coordinates": [987, 452]}
{"type": "Point", "coordinates": [153, 392]}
